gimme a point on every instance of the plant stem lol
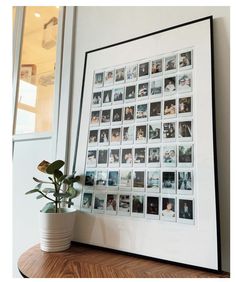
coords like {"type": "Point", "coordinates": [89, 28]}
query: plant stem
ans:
{"type": "Point", "coordinates": [46, 196]}
{"type": "Point", "coordinates": [57, 189]}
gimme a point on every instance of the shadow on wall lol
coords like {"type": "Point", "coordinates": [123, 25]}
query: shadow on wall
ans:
{"type": "Point", "coordinates": [92, 229]}
{"type": "Point", "coordinates": [222, 106]}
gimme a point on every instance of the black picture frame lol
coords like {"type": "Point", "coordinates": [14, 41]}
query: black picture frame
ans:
{"type": "Point", "coordinates": [210, 19]}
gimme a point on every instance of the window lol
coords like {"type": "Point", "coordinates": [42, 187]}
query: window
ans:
{"type": "Point", "coordinates": [37, 71]}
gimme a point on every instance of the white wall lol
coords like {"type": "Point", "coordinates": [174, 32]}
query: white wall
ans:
{"type": "Point", "coordinates": [27, 155]}
{"type": "Point", "coordinates": [101, 26]}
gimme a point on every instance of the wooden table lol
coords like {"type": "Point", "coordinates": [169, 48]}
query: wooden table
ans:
{"type": "Point", "coordinates": [83, 261]}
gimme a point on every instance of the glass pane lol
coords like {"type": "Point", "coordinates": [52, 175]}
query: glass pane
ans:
{"type": "Point", "coordinates": [37, 70]}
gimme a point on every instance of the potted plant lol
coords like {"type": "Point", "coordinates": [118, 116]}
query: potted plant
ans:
{"type": "Point", "coordinates": [57, 217]}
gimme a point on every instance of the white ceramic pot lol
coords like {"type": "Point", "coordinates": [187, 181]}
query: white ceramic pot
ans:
{"type": "Point", "coordinates": [56, 230]}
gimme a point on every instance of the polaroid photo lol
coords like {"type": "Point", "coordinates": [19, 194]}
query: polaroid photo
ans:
{"type": "Point", "coordinates": [185, 82]}
{"type": "Point", "coordinates": [152, 207]}
{"type": "Point", "coordinates": [131, 73]}
{"type": "Point", "coordinates": [130, 93]}
{"type": "Point", "coordinates": [154, 156]}
{"type": "Point", "coordinates": [117, 115]}
{"type": "Point", "coordinates": [87, 201]}
{"type": "Point", "coordinates": [153, 180]}
{"type": "Point", "coordinates": [142, 112]}
{"type": "Point", "coordinates": [114, 157]}
{"type": "Point", "coordinates": [186, 60]}
{"type": "Point", "coordinates": [168, 209]}
{"type": "Point", "coordinates": [93, 137]}
{"type": "Point", "coordinates": [97, 99]}
{"type": "Point", "coordinates": [120, 75]}
{"type": "Point", "coordinates": [126, 157]}
{"type": "Point", "coordinates": [169, 156]}
{"type": "Point", "coordinates": [115, 135]}
{"type": "Point", "coordinates": [171, 63]}
{"type": "Point", "coordinates": [155, 110]}
{"type": "Point", "coordinates": [156, 88]}
{"type": "Point", "coordinates": [105, 117]}
{"type": "Point", "coordinates": [107, 97]}
{"type": "Point", "coordinates": [170, 85]}
{"type": "Point", "coordinates": [186, 210]}
{"type": "Point", "coordinates": [143, 70]}
{"type": "Point", "coordinates": [139, 182]}
{"type": "Point", "coordinates": [139, 156]}
{"type": "Point", "coordinates": [185, 155]}
{"type": "Point", "coordinates": [104, 136]}
{"type": "Point", "coordinates": [99, 202]}
{"type": "Point", "coordinates": [101, 179]}
{"type": "Point", "coordinates": [109, 77]}
{"type": "Point", "coordinates": [129, 114]}
{"type": "Point", "coordinates": [185, 106]}
{"type": "Point", "coordinates": [111, 204]}
{"type": "Point", "coordinates": [169, 108]}
{"type": "Point", "coordinates": [185, 130]}
{"type": "Point", "coordinates": [143, 91]}
{"type": "Point", "coordinates": [128, 134]}
{"type": "Point", "coordinates": [138, 205]}
{"type": "Point", "coordinates": [185, 182]}
{"type": "Point", "coordinates": [90, 176]}
{"type": "Point", "coordinates": [113, 179]}
{"type": "Point", "coordinates": [154, 132]}
{"type": "Point", "coordinates": [91, 158]}
{"type": "Point", "coordinates": [125, 179]}
{"type": "Point", "coordinates": [141, 134]}
{"type": "Point", "coordinates": [168, 182]}
{"type": "Point", "coordinates": [124, 206]}
{"type": "Point", "coordinates": [95, 118]}
{"type": "Point", "coordinates": [118, 95]}
{"type": "Point", "coordinates": [168, 131]}
{"type": "Point", "coordinates": [98, 79]}
{"type": "Point", "coordinates": [157, 67]}
{"type": "Point", "coordinates": [102, 157]}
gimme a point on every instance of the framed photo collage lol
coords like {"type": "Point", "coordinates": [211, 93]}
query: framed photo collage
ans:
{"type": "Point", "coordinates": [140, 151]}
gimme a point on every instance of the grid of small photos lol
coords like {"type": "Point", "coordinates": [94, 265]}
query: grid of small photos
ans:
{"type": "Point", "coordinates": [140, 158]}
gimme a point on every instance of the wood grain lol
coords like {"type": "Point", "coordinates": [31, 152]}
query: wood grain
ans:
{"type": "Point", "coordinates": [83, 261]}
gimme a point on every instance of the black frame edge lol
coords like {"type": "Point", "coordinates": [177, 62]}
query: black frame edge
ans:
{"type": "Point", "coordinates": [215, 148]}
{"type": "Point", "coordinates": [149, 34]}
{"type": "Point", "coordinates": [210, 18]}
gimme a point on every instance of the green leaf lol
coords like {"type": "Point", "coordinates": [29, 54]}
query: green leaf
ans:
{"type": "Point", "coordinates": [73, 192]}
{"type": "Point", "coordinates": [32, 191]}
{"type": "Point", "coordinates": [68, 181]}
{"type": "Point", "coordinates": [51, 179]}
{"type": "Point", "coordinates": [58, 174]}
{"type": "Point", "coordinates": [48, 207]}
{"type": "Point", "coordinates": [55, 166]}
{"type": "Point", "coordinates": [62, 178]}
{"type": "Point", "coordinates": [76, 179]}
{"type": "Point", "coordinates": [48, 190]}
{"type": "Point", "coordinates": [38, 186]}
{"type": "Point", "coordinates": [40, 196]}
{"type": "Point", "coordinates": [41, 181]}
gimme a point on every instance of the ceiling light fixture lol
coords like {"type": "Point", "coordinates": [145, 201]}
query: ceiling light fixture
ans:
{"type": "Point", "coordinates": [37, 15]}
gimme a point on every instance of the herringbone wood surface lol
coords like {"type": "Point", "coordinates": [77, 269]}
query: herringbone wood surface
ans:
{"type": "Point", "coordinates": [82, 261]}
